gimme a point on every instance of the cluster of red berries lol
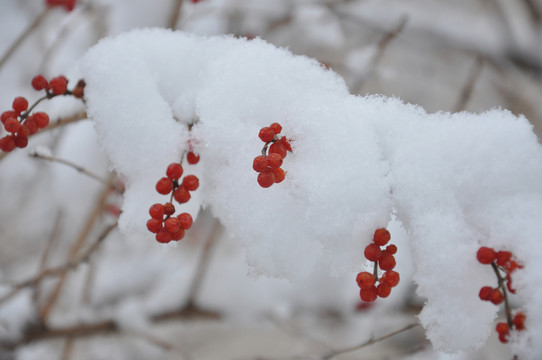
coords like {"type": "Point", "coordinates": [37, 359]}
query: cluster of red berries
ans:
{"type": "Point", "coordinates": [269, 165]}
{"type": "Point", "coordinates": [68, 5]}
{"type": "Point", "coordinates": [21, 124]}
{"type": "Point", "coordinates": [383, 259]}
{"type": "Point", "coordinates": [162, 222]}
{"type": "Point", "coordinates": [503, 263]}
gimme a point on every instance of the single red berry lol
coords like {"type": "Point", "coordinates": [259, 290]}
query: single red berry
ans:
{"type": "Point", "coordinates": [31, 125]}
{"type": "Point", "coordinates": [266, 178]}
{"type": "Point", "coordinates": [154, 225]}
{"type": "Point", "coordinates": [174, 171]}
{"type": "Point", "coordinates": [266, 134]}
{"type": "Point", "coordinates": [503, 257]}
{"type": "Point", "coordinates": [372, 252]}
{"type": "Point", "coordinates": [20, 104]}
{"type": "Point", "coordinates": [485, 293]}
{"type": "Point", "coordinates": [391, 278]}
{"type": "Point", "coordinates": [280, 175]}
{"type": "Point", "coordinates": [365, 280]}
{"type": "Point", "coordinates": [519, 321]}
{"type": "Point", "coordinates": [12, 125]}
{"type": "Point", "coordinates": [8, 115]}
{"type": "Point", "coordinates": [177, 235]}
{"type": "Point", "coordinates": [169, 209]}
{"type": "Point", "coordinates": [486, 255]}
{"type": "Point", "coordinates": [191, 182]}
{"type": "Point", "coordinates": [164, 186]}
{"type": "Point", "coordinates": [156, 211]}
{"type": "Point", "coordinates": [7, 143]}
{"type": "Point", "coordinates": [181, 195]}
{"type": "Point", "coordinates": [383, 290]}
{"type": "Point", "coordinates": [192, 158]}
{"type": "Point", "coordinates": [381, 237]}
{"type": "Point", "coordinates": [392, 249]}
{"type": "Point", "coordinates": [41, 119]}
{"type": "Point", "coordinates": [278, 148]}
{"type": "Point", "coordinates": [496, 297]}
{"type": "Point", "coordinates": [274, 161]}
{"type": "Point", "coordinates": [369, 294]}
{"type": "Point", "coordinates": [386, 261]}
{"type": "Point", "coordinates": [260, 163]}
{"type": "Point", "coordinates": [59, 85]}
{"type": "Point", "coordinates": [172, 225]}
{"type": "Point", "coordinates": [185, 219]}
{"type": "Point", "coordinates": [23, 131]}
{"type": "Point", "coordinates": [21, 141]}
{"type": "Point", "coordinates": [276, 127]}
{"type": "Point", "coordinates": [504, 331]}
{"type": "Point", "coordinates": [163, 236]}
{"type": "Point", "coordinates": [39, 82]}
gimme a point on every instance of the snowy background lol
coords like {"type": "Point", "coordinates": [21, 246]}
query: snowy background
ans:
{"type": "Point", "coordinates": [269, 273]}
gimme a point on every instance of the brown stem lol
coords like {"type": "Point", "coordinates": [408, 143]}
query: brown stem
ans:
{"type": "Point", "coordinates": [175, 15]}
{"type": "Point", "coordinates": [502, 286]}
{"type": "Point", "coordinates": [467, 90]}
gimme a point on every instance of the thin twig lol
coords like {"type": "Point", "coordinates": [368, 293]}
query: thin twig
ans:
{"type": "Point", "coordinates": [175, 15]}
{"type": "Point", "coordinates": [68, 349]}
{"type": "Point", "coordinates": [371, 341]}
{"type": "Point", "coordinates": [467, 90]}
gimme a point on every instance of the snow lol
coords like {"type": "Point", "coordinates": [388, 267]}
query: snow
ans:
{"type": "Point", "coordinates": [455, 181]}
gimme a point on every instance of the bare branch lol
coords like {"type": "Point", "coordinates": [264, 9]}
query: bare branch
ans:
{"type": "Point", "coordinates": [175, 14]}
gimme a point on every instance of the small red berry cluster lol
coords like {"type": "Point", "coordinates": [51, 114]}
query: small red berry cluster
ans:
{"type": "Point", "coordinates": [21, 124]}
{"type": "Point", "coordinates": [502, 262]}
{"type": "Point", "coordinates": [269, 165]}
{"type": "Point", "coordinates": [68, 5]}
{"type": "Point", "coordinates": [384, 259]}
{"type": "Point", "coordinates": [162, 223]}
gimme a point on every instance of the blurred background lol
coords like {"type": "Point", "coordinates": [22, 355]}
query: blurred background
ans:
{"type": "Point", "coordinates": [73, 287]}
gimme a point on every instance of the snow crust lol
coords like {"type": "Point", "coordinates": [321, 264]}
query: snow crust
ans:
{"type": "Point", "coordinates": [455, 181]}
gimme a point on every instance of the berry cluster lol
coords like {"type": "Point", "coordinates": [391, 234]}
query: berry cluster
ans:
{"type": "Point", "coordinates": [162, 222]}
{"type": "Point", "coordinates": [20, 124]}
{"type": "Point", "coordinates": [269, 165]}
{"type": "Point", "coordinates": [502, 262]}
{"type": "Point", "coordinates": [383, 259]}
{"type": "Point", "coordinates": [68, 5]}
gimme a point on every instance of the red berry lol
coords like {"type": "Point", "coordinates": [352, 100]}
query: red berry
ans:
{"type": "Point", "coordinates": [172, 225]}
{"type": "Point", "coordinates": [381, 237]}
{"type": "Point", "coordinates": [486, 255]}
{"type": "Point", "coordinates": [174, 171]}
{"type": "Point", "coordinates": [392, 249]}
{"type": "Point", "coordinates": [391, 278]}
{"type": "Point", "coordinates": [41, 119]}
{"type": "Point", "coordinates": [386, 261]}
{"type": "Point", "coordinates": [185, 219]}
{"type": "Point", "coordinates": [163, 236]}
{"type": "Point", "coordinates": [383, 290]}
{"type": "Point", "coordinates": [278, 148]}
{"type": "Point", "coordinates": [260, 163]}
{"type": "Point", "coordinates": [23, 131]}
{"type": "Point", "coordinates": [369, 294]}
{"type": "Point", "coordinates": [503, 257]}
{"type": "Point", "coordinates": [21, 141]}
{"type": "Point", "coordinates": [7, 143]}
{"type": "Point", "coordinates": [372, 252]}
{"type": "Point", "coordinates": [12, 125]}
{"type": "Point", "coordinates": [509, 284]}
{"type": "Point", "coordinates": [39, 83]}
{"type": "Point", "coordinates": [274, 161]}
{"type": "Point", "coordinates": [181, 195]}
{"type": "Point", "coordinates": [69, 5]}
{"type": "Point", "coordinates": [280, 175]}
{"type": "Point", "coordinates": [154, 225]}
{"type": "Point", "coordinates": [192, 158]}
{"type": "Point", "coordinates": [266, 134]}
{"type": "Point", "coordinates": [286, 143]}
{"type": "Point", "coordinates": [276, 128]}
{"type": "Point", "coordinates": [20, 104]}
{"type": "Point", "coordinates": [519, 321]}
{"type": "Point", "coordinates": [485, 293]}
{"type": "Point", "coordinates": [169, 208]}
{"type": "Point", "coordinates": [156, 211]}
{"type": "Point", "coordinates": [266, 178]}
{"type": "Point", "coordinates": [191, 182]}
{"type": "Point", "coordinates": [31, 125]}
{"type": "Point", "coordinates": [8, 115]}
{"type": "Point", "coordinates": [504, 331]}
{"type": "Point", "coordinates": [496, 297]}
{"type": "Point", "coordinates": [177, 235]}
{"type": "Point", "coordinates": [59, 85]}
{"type": "Point", "coordinates": [365, 280]}
{"type": "Point", "coordinates": [164, 186]}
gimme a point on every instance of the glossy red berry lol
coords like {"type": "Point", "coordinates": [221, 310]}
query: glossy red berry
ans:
{"type": "Point", "coordinates": [23, 131]}
{"type": "Point", "coordinates": [504, 331]}
{"type": "Point", "coordinates": [372, 252]}
{"type": "Point", "coordinates": [266, 134]}
{"type": "Point", "coordinates": [383, 290]}
{"type": "Point", "coordinates": [41, 119]}
{"type": "Point", "coordinates": [260, 163]}
{"type": "Point", "coordinates": [156, 211]}
{"type": "Point", "coordinates": [164, 186]}
{"type": "Point", "coordinates": [154, 225]}
{"type": "Point", "coordinates": [172, 225]}
{"type": "Point", "coordinates": [392, 249]}
{"type": "Point", "coordinates": [163, 236]}
{"type": "Point", "coordinates": [280, 175]}
{"type": "Point", "coordinates": [181, 195]}
{"type": "Point", "coordinates": [20, 104]}
{"type": "Point", "coordinates": [381, 237]}
{"type": "Point", "coordinates": [12, 125]}
{"type": "Point", "coordinates": [386, 261]}
{"type": "Point", "coordinates": [39, 83]}
{"type": "Point", "coordinates": [21, 141]}
{"type": "Point", "coordinates": [485, 293]}
{"type": "Point", "coordinates": [276, 127]}
{"type": "Point", "coordinates": [278, 148]}
{"type": "Point", "coordinates": [486, 255]}
{"type": "Point", "coordinates": [59, 85]}
{"type": "Point", "coordinates": [274, 161]}
{"type": "Point", "coordinates": [266, 178]}
{"type": "Point", "coordinates": [185, 220]}
{"type": "Point", "coordinates": [503, 257]}
{"type": "Point", "coordinates": [176, 236]}
{"type": "Point", "coordinates": [191, 182]}
{"type": "Point", "coordinates": [391, 278]}
{"type": "Point", "coordinates": [496, 297]}
{"type": "Point", "coordinates": [369, 294]}
{"type": "Point", "coordinates": [8, 115]}
{"type": "Point", "coordinates": [169, 209]}
{"type": "Point", "coordinates": [365, 280]}
{"type": "Point", "coordinates": [7, 143]}
{"type": "Point", "coordinates": [192, 158]}
{"type": "Point", "coordinates": [174, 171]}
{"type": "Point", "coordinates": [519, 321]}
{"type": "Point", "coordinates": [30, 123]}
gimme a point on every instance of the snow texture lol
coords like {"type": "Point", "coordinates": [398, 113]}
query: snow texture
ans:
{"type": "Point", "coordinates": [455, 181]}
